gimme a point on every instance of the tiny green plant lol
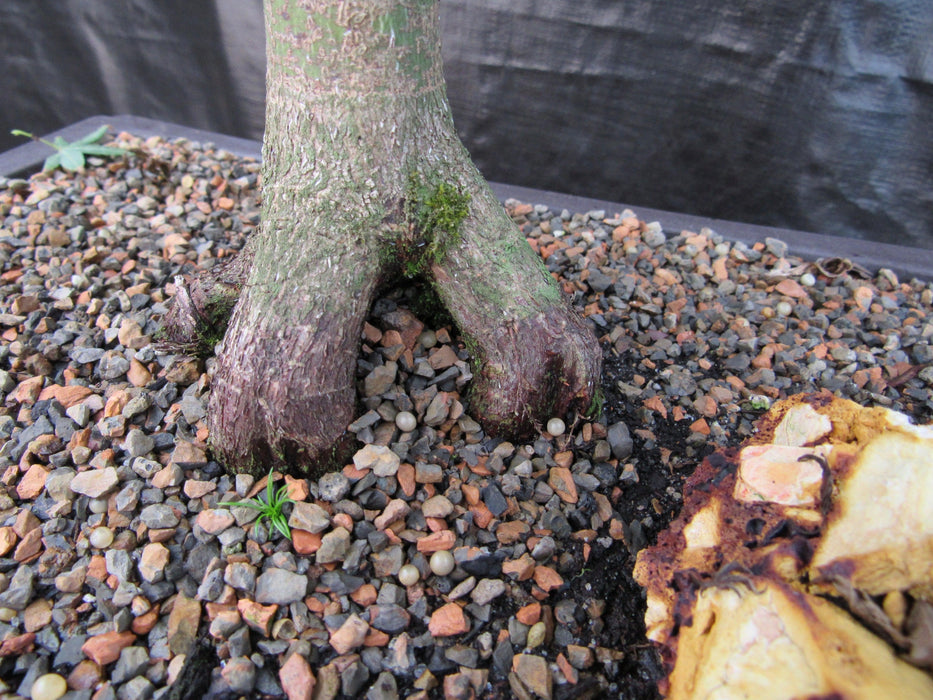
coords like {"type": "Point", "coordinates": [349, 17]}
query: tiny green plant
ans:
{"type": "Point", "coordinates": [70, 156]}
{"type": "Point", "coordinates": [271, 508]}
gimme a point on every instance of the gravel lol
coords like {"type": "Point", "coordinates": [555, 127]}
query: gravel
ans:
{"type": "Point", "coordinates": [113, 542]}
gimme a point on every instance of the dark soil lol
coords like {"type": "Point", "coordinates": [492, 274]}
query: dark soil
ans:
{"type": "Point", "coordinates": [608, 573]}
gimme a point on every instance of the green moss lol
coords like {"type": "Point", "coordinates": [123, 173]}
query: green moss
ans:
{"type": "Point", "coordinates": [212, 327]}
{"type": "Point", "coordinates": [595, 409]}
{"type": "Point", "coordinates": [443, 211]}
{"type": "Point", "coordinates": [435, 209]}
{"type": "Point", "coordinates": [411, 267]}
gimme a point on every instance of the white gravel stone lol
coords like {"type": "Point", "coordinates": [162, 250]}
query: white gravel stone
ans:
{"type": "Point", "coordinates": [437, 507]}
{"type": "Point", "coordinates": [280, 587]}
{"type": "Point", "coordinates": [95, 483]}
{"type": "Point", "coordinates": [382, 460]}
{"type": "Point", "coordinates": [487, 590]}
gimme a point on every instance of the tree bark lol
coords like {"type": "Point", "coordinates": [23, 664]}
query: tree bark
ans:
{"type": "Point", "coordinates": [363, 174]}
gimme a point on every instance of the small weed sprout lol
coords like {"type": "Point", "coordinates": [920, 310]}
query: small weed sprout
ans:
{"type": "Point", "coordinates": [70, 156]}
{"type": "Point", "coordinates": [271, 508]}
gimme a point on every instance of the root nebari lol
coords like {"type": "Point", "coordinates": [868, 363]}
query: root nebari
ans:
{"type": "Point", "coordinates": [284, 388]}
{"type": "Point", "coordinates": [202, 306]}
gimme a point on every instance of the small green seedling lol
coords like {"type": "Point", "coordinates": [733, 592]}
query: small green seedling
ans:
{"type": "Point", "coordinates": [70, 156]}
{"type": "Point", "coordinates": [271, 508]}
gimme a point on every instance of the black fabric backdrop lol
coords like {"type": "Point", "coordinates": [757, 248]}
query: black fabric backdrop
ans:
{"type": "Point", "coordinates": [814, 115]}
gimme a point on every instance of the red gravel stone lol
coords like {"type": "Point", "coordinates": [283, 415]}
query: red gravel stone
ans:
{"type": "Point", "coordinates": [105, 648]}
{"type": "Point", "coordinates": [448, 620]}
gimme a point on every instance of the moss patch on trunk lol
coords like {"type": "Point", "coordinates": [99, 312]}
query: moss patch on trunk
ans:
{"type": "Point", "coordinates": [435, 211]}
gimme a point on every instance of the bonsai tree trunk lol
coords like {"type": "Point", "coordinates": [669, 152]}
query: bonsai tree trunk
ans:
{"type": "Point", "coordinates": [364, 177]}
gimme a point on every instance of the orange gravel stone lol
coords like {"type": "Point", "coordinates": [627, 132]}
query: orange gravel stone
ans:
{"type": "Point", "coordinates": [20, 644]}
{"type": "Point", "coordinates": [442, 358]}
{"type": "Point", "coordinates": [343, 520]}
{"type": "Point", "coordinates": [27, 391]}
{"type": "Point", "coordinates": [471, 493]}
{"type": "Point", "coordinates": [719, 269]}
{"type": "Point", "coordinates": [570, 673]}
{"type": "Point", "coordinates": [296, 489]}
{"type": "Point", "coordinates": [436, 524]}
{"type": "Point", "coordinates": [26, 522]}
{"type": "Point", "coordinates": [314, 605]}
{"type": "Point", "coordinates": [706, 406]}
{"type": "Point", "coordinates": [448, 620]}
{"type": "Point", "coordinates": [67, 396]}
{"type": "Point", "coordinates": [529, 614]}
{"type": "Point", "coordinates": [37, 615]}
{"type": "Point", "coordinates": [350, 636]}
{"type": "Point", "coordinates": [371, 334]}
{"type": "Point", "coordinates": [145, 622]}
{"type": "Point", "coordinates": [664, 277]}
{"type": "Point", "coordinates": [97, 568]}
{"type": "Point", "coordinates": [306, 542]}
{"type": "Point", "coordinates": [183, 623]}
{"type": "Point", "coordinates": [116, 403]}
{"type": "Point", "coordinates": [791, 288]}
{"type": "Point", "coordinates": [863, 297]}
{"type": "Point", "coordinates": [85, 676]}
{"type": "Point", "coordinates": [257, 616]}
{"type": "Point", "coordinates": [534, 673]}
{"type": "Point", "coordinates": [296, 678]}
{"type": "Point", "coordinates": [547, 578]}
{"type": "Point", "coordinates": [32, 483]}
{"type": "Point", "coordinates": [195, 488]}
{"type": "Point", "coordinates": [482, 516]}
{"type": "Point", "coordinates": [29, 547]}
{"type": "Point", "coordinates": [8, 540]}
{"type": "Point", "coordinates": [391, 338]}
{"type": "Point", "coordinates": [353, 474]}
{"type": "Point", "coordinates": [375, 638]}
{"type": "Point", "coordinates": [763, 359]}
{"type": "Point", "coordinates": [105, 648]}
{"type": "Point", "coordinates": [561, 480]}
{"type": "Point", "coordinates": [480, 467]}
{"type": "Point", "coordinates": [437, 541]}
{"type": "Point", "coordinates": [512, 531]}
{"type": "Point", "coordinates": [406, 479]}
{"type": "Point", "coordinates": [365, 595]}
{"type": "Point", "coordinates": [655, 404]}
{"type": "Point", "coordinates": [520, 569]}
{"type": "Point", "coordinates": [564, 459]}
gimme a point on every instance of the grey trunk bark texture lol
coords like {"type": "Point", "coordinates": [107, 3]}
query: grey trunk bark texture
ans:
{"type": "Point", "coordinates": [363, 176]}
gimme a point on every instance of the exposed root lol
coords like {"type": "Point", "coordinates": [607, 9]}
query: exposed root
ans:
{"type": "Point", "coordinates": [284, 391]}
{"type": "Point", "coordinates": [201, 307]}
{"type": "Point", "coordinates": [535, 369]}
